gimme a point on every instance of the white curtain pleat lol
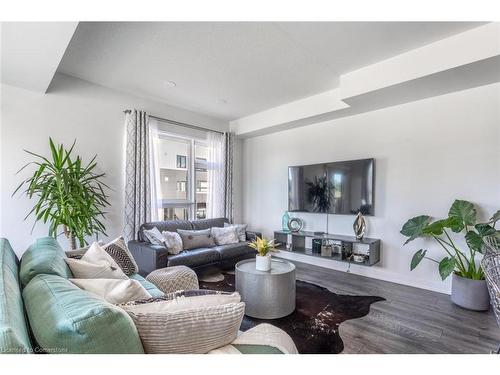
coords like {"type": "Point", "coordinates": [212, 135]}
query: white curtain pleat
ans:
{"type": "Point", "coordinates": [156, 192]}
{"type": "Point", "coordinates": [216, 176]}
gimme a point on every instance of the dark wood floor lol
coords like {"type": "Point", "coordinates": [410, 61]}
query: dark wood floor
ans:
{"type": "Point", "coordinates": [411, 320]}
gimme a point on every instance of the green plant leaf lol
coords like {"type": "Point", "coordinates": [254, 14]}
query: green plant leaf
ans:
{"type": "Point", "coordinates": [446, 267]}
{"type": "Point", "coordinates": [463, 211]}
{"type": "Point", "coordinates": [474, 241]}
{"type": "Point", "coordinates": [417, 258]}
{"type": "Point", "coordinates": [414, 227]}
{"type": "Point", "coordinates": [436, 228]}
{"type": "Point", "coordinates": [495, 218]}
{"type": "Point", "coordinates": [484, 229]}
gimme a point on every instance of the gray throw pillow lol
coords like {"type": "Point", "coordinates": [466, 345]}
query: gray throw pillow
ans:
{"type": "Point", "coordinates": [195, 239]}
{"type": "Point", "coordinates": [241, 229]}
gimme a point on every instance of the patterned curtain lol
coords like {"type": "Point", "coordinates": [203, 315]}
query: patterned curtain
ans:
{"type": "Point", "coordinates": [137, 173]}
{"type": "Point", "coordinates": [228, 190]}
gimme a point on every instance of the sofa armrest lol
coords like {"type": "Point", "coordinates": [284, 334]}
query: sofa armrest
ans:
{"type": "Point", "coordinates": [252, 235]}
{"type": "Point", "coordinates": [147, 256]}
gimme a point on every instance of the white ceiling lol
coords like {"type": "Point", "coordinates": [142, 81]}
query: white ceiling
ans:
{"type": "Point", "coordinates": [230, 70]}
{"type": "Point", "coordinates": [32, 51]}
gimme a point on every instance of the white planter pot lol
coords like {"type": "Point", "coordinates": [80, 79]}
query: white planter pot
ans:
{"type": "Point", "coordinates": [263, 263]}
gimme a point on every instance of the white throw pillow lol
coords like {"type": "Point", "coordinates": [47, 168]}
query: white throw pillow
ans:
{"type": "Point", "coordinates": [153, 235]}
{"type": "Point", "coordinates": [225, 236]}
{"type": "Point", "coordinates": [95, 263]}
{"type": "Point", "coordinates": [172, 241]}
{"type": "Point", "coordinates": [182, 303]}
{"type": "Point", "coordinates": [241, 229]}
{"type": "Point", "coordinates": [113, 290]}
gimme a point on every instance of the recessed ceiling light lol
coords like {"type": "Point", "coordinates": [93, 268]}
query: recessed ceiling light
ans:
{"type": "Point", "coordinates": [170, 83]}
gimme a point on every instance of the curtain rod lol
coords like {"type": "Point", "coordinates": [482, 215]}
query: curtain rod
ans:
{"type": "Point", "coordinates": [179, 123]}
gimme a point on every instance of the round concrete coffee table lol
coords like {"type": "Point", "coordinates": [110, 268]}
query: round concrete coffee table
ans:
{"type": "Point", "coordinates": [267, 295]}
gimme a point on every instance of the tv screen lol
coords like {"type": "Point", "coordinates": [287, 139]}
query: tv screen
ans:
{"type": "Point", "coordinates": [344, 187]}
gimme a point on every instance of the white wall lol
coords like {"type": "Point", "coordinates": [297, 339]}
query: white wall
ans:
{"type": "Point", "coordinates": [73, 109]}
{"type": "Point", "coordinates": [427, 154]}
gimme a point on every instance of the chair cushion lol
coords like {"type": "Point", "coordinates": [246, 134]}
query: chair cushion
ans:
{"type": "Point", "coordinates": [150, 287]}
{"type": "Point", "coordinates": [169, 225]}
{"type": "Point", "coordinates": [45, 256]}
{"type": "Point", "coordinates": [234, 250]}
{"type": "Point", "coordinates": [14, 338]}
{"type": "Point", "coordinates": [194, 258]}
{"type": "Point", "coordinates": [67, 319]}
{"type": "Point", "coordinates": [209, 223]}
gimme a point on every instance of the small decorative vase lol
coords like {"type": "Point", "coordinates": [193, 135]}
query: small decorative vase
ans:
{"type": "Point", "coordinates": [359, 226]}
{"type": "Point", "coordinates": [284, 221]}
{"type": "Point", "coordinates": [263, 263]}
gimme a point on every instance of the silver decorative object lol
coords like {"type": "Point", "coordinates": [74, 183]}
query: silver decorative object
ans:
{"type": "Point", "coordinates": [295, 224]}
{"type": "Point", "coordinates": [359, 226]}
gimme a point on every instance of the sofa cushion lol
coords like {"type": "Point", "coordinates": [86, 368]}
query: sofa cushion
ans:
{"type": "Point", "coordinates": [66, 319]}
{"type": "Point", "coordinates": [209, 223]}
{"type": "Point", "coordinates": [169, 225]}
{"type": "Point", "coordinates": [194, 258]}
{"type": "Point", "coordinates": [14, 338]}
{"type": "Point", "coordinates": [234, 250]}
{"type": "Point", "coordinates": [44, 256]}
{"type": "Point", "coordinates": [150, 287]}
{"type": "Point", "coordinates": [194, 330]}
{"type": "Point", "coordinates": [196, 239]}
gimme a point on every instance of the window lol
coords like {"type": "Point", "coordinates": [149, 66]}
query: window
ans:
{"type": "Point", "coordinates": [182, 177]}
{"type": "Point", "coordinates": [181, 161]}
{"type": "Point", "coordinates": [181, 186]}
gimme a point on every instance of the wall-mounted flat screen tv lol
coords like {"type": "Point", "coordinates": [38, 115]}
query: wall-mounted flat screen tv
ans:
{"type": "Point", "coordinates": [343, 187]}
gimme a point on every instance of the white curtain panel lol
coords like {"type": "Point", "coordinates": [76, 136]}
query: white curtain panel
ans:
{"type": "Point", "coordinates": [156, 193]}
{"type": "Point", "coordinates": [137, 173]}
{"type": "Point", "coordinates": [228, 152]}
{"type": "Point", "coordinates": [216, 168]}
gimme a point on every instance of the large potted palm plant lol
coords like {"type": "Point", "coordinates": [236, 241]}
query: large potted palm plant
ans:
{"type": "Point", "coordinates": [70, 195]}
{"type": "Point", "coordinates": [469, 288]}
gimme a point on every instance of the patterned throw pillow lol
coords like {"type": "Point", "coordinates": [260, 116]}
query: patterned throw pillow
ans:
{"type": "Point", "coordinates": [196, 239]}
{"type": "Point", "coordinates": [172, 241]}
{"type": "Point", "coordinates": [120, 253]}
{"type": "Point", "coordinates": [225, 236]}
{"type": "Point", "coordinates": [241, 229]}
{"type": "Point", "coordinates": [153, 236]}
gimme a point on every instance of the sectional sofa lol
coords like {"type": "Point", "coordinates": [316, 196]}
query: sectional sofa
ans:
{"type": "Point", "coordinates": [151, 257]}
{"type": "Point", "coordinates": [42, 311]}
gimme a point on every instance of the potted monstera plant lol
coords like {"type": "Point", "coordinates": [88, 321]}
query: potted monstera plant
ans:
{"type": "Point", "coordinates": [468, 285]}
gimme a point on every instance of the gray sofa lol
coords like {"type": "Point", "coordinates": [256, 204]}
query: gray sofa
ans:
{"type": "Point", "coordinates": [151, 257]}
